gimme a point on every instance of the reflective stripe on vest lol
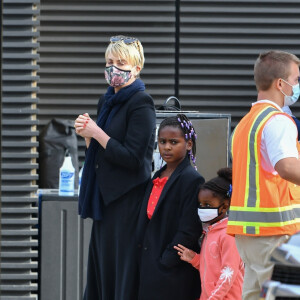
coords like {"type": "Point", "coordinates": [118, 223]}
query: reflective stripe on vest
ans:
{"type": "Point", "coordinates": [264, 217]}
{"type": "Point", "coordinates": [252, 196]}
{"type": "Point", "coordinates": [251, 216]}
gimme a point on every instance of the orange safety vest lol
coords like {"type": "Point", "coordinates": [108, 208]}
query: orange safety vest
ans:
{"type": "Point", "coordinates": [262, 204]}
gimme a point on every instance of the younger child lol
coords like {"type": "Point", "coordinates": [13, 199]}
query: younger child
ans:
{"type": "Point", "coordinates": [169, 216]}
{"type": "Point", "coordinates": [220, 266]}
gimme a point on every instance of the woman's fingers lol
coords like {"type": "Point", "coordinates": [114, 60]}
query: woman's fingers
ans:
{"type": "Point", "coordinates": [81, 121]}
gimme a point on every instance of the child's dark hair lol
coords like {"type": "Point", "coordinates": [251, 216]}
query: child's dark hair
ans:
{"type": "Point", "coordinates": [181, 121]}
{"type": "Point", "coordinates": [221, 185]}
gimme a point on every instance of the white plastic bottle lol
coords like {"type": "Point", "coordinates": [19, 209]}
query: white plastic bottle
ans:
{"type": "Point", "coordinates": [66, 177]}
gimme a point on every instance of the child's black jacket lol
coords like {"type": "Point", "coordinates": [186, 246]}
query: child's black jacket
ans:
{"type": "Point", "coordinates": [175, 220]}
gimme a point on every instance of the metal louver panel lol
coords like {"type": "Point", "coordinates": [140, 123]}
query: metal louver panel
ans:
{"type": "Point", "coordinates": [219, 43]}
{"type": "Point", "coordinates": [19, 131]}
{"type": "Point", "coordinates": [73, 39]}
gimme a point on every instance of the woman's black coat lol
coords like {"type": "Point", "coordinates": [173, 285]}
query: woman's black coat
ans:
{"type": "Point", "coordinates": [175, 221]}
{"type": "Point", "coordinates": [123, 170]}
{"type": "Point", "coordinates": [127, 160]}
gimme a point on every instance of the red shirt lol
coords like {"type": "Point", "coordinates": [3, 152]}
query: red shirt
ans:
{"type": "Point", "coordinates": [158, 185]}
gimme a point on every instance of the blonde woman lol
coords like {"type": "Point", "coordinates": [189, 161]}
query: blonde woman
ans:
{"type": "Point", "coordinates": [116, 170]}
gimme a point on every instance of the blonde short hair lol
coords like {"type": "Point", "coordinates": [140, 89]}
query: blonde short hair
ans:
{"type": "Point", "coordinates": [272, 65]}
{"type": "Point", "coordinates": [133, 52]}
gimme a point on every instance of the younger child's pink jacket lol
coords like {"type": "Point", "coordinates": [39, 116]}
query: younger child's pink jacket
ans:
{"type": "Point", "coordinates": [221, 268]}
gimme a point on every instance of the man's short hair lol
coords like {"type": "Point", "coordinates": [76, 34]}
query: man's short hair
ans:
{"type": "Point", "coordinates": [271, 65]}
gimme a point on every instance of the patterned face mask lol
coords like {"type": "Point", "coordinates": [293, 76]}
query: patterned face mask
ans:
{"type": "Point", "coordinates": [116, 77]}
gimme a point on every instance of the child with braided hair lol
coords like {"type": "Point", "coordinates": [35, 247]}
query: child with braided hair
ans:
{"type": "Point", "coordinates": [168, 216]}
{"type": "Point", "coordinates": [220, 266]}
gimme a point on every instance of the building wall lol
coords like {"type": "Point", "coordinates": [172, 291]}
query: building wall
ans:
{"type": "Point", "coordinates": [19, 150]}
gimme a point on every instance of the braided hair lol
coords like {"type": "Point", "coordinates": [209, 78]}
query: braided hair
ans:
{"type": "Point", "coordinates": [221, 186]}
{"type": "Point", "coordinates": [182, 122]}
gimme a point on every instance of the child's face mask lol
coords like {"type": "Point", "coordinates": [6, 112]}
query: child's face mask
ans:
{"type": "Point", "coordinates": [207, 214]}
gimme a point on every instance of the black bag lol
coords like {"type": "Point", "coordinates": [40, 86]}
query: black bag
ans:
{"type": "Point", "coordinates": [167, 106]}
{"type": "Point", "coordinates": [57, 136]}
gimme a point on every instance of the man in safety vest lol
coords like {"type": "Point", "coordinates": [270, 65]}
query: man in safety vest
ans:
{"type": "Point", "coordinates": [265, 203]}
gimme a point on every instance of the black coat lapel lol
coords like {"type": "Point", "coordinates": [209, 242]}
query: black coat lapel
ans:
{"type": "Point", "coordinates": [170, 182]}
